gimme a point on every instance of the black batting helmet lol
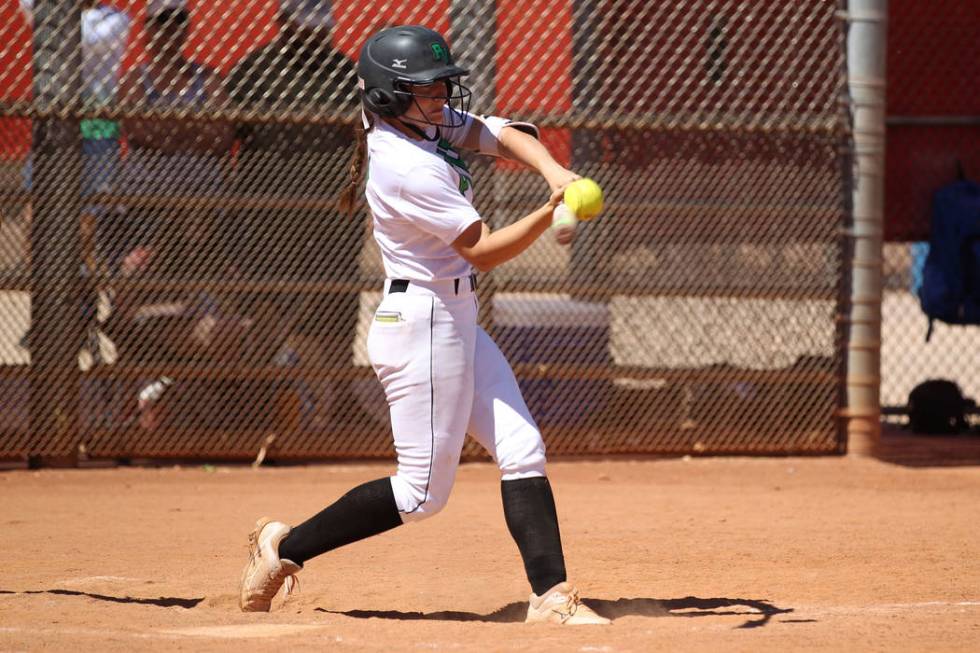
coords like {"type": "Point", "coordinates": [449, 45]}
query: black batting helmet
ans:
{"type": "Point", "coordinates": [394, 59]}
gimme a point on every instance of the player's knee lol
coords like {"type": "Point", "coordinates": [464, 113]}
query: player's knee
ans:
{"type": "Point", "coordinates": [416, 500]}
{"type": "Point", "coordinates": [427, 506]}
{"type": "Point", "coordinates": [434, 503]}
{"type": "Point", "coordinates": [522, 457]}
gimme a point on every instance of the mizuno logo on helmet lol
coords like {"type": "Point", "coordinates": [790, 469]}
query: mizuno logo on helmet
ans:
{"type": "Point", "coordinates": [399, 63]}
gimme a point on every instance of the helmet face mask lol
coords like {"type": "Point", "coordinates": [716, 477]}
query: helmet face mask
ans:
{"type": "Point", "coordinates": [395, 60]}
{"type": "Point", "coordinates": [456, 100]}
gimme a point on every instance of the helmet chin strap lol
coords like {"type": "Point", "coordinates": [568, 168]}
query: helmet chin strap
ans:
{"type": "Point", "coordinates": [418, 131]}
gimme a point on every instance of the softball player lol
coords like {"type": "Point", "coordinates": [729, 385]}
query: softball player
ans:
{"type": "Point", "coordinates": [442, 374]}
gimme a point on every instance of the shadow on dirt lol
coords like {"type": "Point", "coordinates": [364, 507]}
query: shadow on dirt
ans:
{"type": "Point", "coordinates": [160, 602]}
{"type": "Point", "coordinates": [759, 612]}
{"type": "Point", "coordinates": [899, 446]}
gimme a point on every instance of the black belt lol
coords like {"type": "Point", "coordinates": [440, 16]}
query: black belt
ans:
{"type": "Point", "coordinates": [401, 285]}
{"type": "Point", "coordinates": [398, 285]}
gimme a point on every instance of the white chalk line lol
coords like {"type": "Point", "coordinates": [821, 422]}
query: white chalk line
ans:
{"type": "Point", "coordinates": [883, 608]}
{"type": "Point", "coordinates": [225, 631]}
{"type": "Point", "coordinates": [234, 631]}
{"type": "Point", "coordinates": [85, 580]}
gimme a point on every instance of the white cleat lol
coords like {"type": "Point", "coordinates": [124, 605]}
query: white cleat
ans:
{"type": "Point", "coordinates": [265, 573]}
{"type": "Point", "coordinates": [561, 605]}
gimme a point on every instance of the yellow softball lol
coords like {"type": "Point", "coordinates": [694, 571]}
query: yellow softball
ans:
{"type": "Point", "coordinates": [584, 198]}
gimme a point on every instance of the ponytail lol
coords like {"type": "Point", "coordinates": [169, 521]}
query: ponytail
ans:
{"type": "Point", "coordinates": [348, 197]}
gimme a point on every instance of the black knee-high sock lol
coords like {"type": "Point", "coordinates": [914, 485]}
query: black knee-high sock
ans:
{"type": "Point", "coordinates": [364, 511]}
{"type": "Point", "coordinates": [529, 508]}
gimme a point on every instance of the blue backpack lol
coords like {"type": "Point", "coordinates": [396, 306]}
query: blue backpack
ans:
{"type": "Point", "coordinates": [950, 289]}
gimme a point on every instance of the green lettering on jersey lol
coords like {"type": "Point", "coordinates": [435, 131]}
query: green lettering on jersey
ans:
{"type": "Point", "coordinates": [445, 149]}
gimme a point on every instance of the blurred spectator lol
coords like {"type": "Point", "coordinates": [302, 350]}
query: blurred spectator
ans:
{"type": "Point", "coordinates": [171, 158]}
{"type": "Point", "coordinates": [294, 170]}
{"type": "Point", "coordinates": [171, 177]}
{"type": "Point", "coordinates": [105, 31]}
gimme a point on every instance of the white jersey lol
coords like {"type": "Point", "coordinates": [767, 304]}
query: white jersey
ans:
{"type": "Point", "coordinates": [442, 374]}
{"type": "Point", "coordinates": [105, 31]}
{"type": "Point", "coordinates": [421, 198]}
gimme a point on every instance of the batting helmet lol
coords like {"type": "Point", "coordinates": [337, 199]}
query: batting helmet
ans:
{"type": "Point", "coordinates": [394, 59]}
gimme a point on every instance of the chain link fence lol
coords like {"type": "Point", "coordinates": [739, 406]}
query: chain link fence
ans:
{"type": "Point", "coordinates": [176, 279]}
{"type": "Point", "coordinates": [933, 138]}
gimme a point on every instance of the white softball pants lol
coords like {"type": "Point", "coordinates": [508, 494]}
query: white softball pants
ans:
{"type": "Point", "coordinates": [444, 377]}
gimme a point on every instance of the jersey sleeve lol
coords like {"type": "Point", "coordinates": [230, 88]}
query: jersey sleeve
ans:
{"type": "Point", "coordinates": [490, 127]}
{"type": "Point", "coordinates": [430, 199]}
{"type": "Point", "coordinates": [455, 135]}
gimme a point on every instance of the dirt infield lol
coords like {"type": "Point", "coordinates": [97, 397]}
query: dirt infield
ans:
{"type": "Point", "coordinates": [704, 554]}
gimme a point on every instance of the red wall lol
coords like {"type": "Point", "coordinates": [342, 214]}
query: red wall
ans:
{"type": "Point", "coordinates": [533, 67]}
{"type": "Point", "coordinates": [933, 70]}
{"type": "Point", "coordinates": [223, 33]}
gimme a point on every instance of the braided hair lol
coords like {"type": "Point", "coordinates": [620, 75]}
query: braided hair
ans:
{"type": "Point", "coordinates": [348, 197]}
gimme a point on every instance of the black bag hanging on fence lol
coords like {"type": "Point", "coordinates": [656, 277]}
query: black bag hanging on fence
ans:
{"type": "Point", "coordinates": [938, 407]}
{"type": "Point", "coordinates": [950, 289]}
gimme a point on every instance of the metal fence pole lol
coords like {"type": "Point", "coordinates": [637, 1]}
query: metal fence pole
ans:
{"type": "Point", "coordinates": [56, 320]}
{"type": "Point", "coordinates": [866, 83]}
